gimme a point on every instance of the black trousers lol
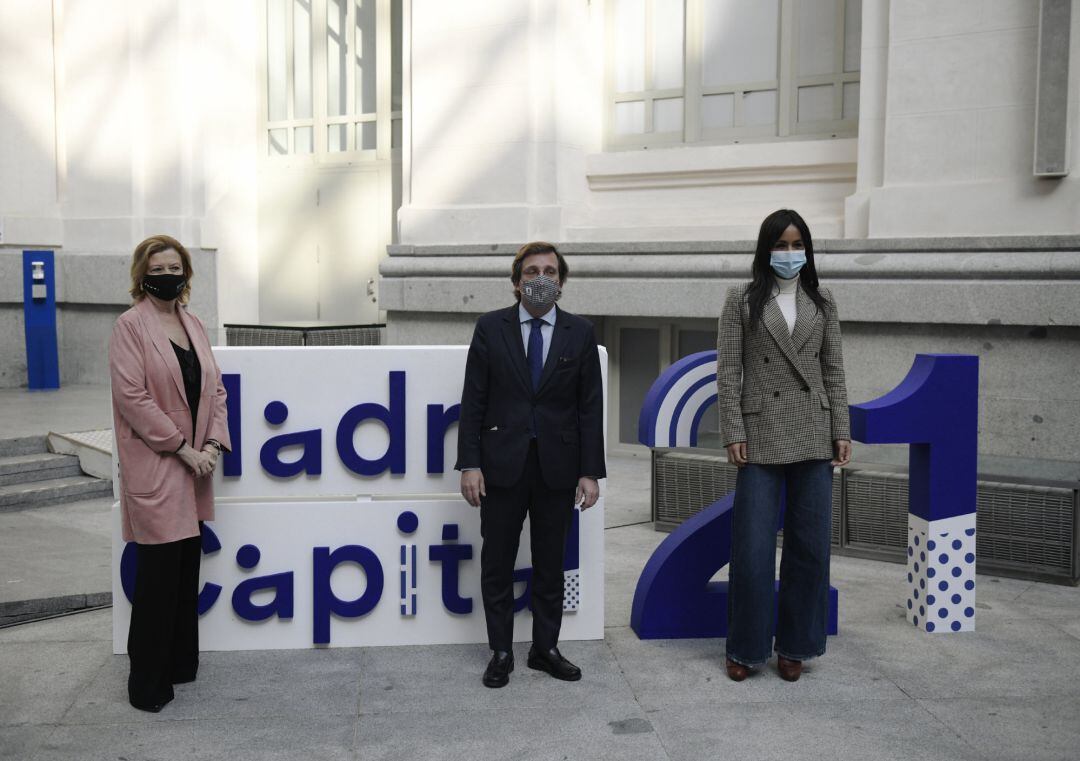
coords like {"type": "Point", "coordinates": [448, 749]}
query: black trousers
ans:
{"type": "Point", "coordinates": [502, 513]}
{"type": "Point", "coordinates": [163, 638]}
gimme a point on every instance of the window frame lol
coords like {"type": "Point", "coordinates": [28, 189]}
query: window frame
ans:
{"type": "Point", "coordinates": [669, 331]}
{"type": "Point", "coordinates": [692, 92]}
{"type": "Point", "coordinates": [320, 120]}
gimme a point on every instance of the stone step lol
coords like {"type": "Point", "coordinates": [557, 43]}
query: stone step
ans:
{"type": "Point", "coordinates": [37, 467]}
{"type": "Point", "coordinates": [23, 445]}
{"type": "Point", "coordinates": [52, 492]}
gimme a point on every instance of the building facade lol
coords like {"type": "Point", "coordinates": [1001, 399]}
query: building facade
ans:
{"type": "Point", "coordinates": [358, 161]}
{"type": "Point", "coordinates": [650, 138]}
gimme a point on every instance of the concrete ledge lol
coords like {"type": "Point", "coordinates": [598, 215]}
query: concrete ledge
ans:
{"type": "Point", "coordinates": [958, 265]}
{"type": "Point", "coordinates": [1026, 280]}
{"type": "Point", "coordinates": [19, 611]}
{"type": "Point", "coordinates": [1000, 243]}
{"type": "Point", "coordinates": [771, 162]}
{"type": "Point", "coordinates": [101, 278]}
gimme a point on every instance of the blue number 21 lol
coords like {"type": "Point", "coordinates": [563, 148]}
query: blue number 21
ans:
{"type": "Point", "coordinates": [934, 410]}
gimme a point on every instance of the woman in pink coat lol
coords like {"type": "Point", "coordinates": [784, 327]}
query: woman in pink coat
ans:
{"type": "Point", "coordinates": [170, 426]}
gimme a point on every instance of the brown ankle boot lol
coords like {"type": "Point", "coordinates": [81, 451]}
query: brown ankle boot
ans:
{"type": "Point", "coordinates": [790, 671]}
{"type": "Point", "coordinates": [736, 671]}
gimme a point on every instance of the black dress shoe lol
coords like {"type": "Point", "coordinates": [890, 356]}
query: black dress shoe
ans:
{"type": "Point", "coordinates": [552, 662]}
{"type": "Point", "coordinates": [497, 673]}
{"type": "Point", "coordinates": [151, 708]}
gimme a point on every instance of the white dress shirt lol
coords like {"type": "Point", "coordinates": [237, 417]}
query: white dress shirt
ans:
{"type": "Point", "coordinates": [545, 330]}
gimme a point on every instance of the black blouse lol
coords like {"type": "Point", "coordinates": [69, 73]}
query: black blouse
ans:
{"type": "Point", "coordinates": [191, 371]}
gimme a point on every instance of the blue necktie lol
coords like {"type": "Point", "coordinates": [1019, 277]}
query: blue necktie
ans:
{"type": "Point", "coordinates": [536, 352]}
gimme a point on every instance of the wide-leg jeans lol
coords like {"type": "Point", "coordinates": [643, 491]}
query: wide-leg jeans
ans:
{"type": "Point", "coordinates": [800, 616]}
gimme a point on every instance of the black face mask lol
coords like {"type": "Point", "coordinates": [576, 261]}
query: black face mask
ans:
{"type": "Point", "coordinates": [165, 287]}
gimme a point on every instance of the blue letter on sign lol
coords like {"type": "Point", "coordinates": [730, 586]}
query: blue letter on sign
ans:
{"type": "Point", "coordinates": [129, 562]}
{"type": "Point", "coordinates": [325, 602]}
{"type": "Point", "coordinates": [674, 596]}
{"type": "Point", "coordinates": [393, 417]}
{"type": "Point", "coordinates": [935, 410]}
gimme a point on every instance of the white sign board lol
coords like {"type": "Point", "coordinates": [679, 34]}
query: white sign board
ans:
{"type": "Point", "coordinates": [338, 520]}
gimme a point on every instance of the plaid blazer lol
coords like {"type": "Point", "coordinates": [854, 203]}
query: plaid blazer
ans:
{"type": "Point", "coordinates": [782, 393]}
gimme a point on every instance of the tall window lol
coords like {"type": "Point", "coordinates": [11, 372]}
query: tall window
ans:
{"type": "Point", "coordinates": [333, 78]}
{"type": "Point", "coordinates": [700, 71]}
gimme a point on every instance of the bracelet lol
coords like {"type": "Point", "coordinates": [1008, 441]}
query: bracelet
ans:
{"type": "Point", "coordinates": [214, 444]}
{"type": "Point", "coordinates": [183, 443]}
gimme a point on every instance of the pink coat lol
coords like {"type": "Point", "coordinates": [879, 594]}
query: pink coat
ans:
{"type": "Point", "coordinates": [160, 500]}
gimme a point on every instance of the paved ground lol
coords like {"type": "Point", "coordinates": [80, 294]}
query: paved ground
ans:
{"type": "Point", "coordinates": [71, 408]}
{"type": "Point", "coordinates": [1010, 690]}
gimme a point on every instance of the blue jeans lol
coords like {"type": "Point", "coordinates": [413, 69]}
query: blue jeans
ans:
{"type": "Point", "coordinates": [802, 610]}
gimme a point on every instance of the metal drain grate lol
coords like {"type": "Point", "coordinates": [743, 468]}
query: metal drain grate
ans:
{"type": "Point", "coordinates": [343, 337]}
{"type": "Point", "coordinates": [304, 335]}
{"type": "Point", "coordinates": [685, 482]}
{"type": "Point", "coordinates": [1030, 526]}
{"type": "Point", "coordinates": [877, 510]}
{"type": "Point", "coordinates": [241, 335]}
{"type": "Point", "coordinates": [1024, 530]}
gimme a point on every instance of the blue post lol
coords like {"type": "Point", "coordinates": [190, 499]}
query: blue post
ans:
{"type": "Point", "coordinates": [39, 313]}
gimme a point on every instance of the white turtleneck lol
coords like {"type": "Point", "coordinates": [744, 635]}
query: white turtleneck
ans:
{"type": "Point", "coordinates": [785, 299]}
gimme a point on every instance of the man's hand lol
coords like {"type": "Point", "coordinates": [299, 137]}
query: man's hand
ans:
{"type": "Point", "coordinates": [588, 491]}
{"type": "Point", "coordinates": [472, 486]}
{"type": "Point", "coordinates": [842, 449]}
{"type": "Point", "coordinates": [736, 453]}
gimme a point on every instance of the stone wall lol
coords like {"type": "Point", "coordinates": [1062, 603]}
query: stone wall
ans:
{"type": "Point", "coordinates": [91, 294]}
{"type": "Point", "coordinates": [1013, 301]}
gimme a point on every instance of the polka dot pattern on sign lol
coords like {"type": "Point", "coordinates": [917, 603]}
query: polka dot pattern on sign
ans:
{"type": "Point", "coordinates": [571, 590]}
{"type": "Point", "coordinates": [944, 563]}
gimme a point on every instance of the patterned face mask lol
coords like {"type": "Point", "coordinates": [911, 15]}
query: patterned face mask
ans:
{"type": "Point", "coordinates": [540, 292]}
{"type": "Point", "coordinates": [166, 287]}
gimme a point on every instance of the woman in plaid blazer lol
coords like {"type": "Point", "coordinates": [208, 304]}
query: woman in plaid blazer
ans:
{"type": "Point", "coordinates": [784, 419]}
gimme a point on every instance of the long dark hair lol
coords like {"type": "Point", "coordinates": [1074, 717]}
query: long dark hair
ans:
{"type": "Point", "coordinates": [761, 287]}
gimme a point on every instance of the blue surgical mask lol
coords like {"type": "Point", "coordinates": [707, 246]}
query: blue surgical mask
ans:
{"type": "Point", "coordinates": [786, 264]}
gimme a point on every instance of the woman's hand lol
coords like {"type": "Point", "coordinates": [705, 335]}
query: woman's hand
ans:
{"type": "Point", "coordinates": [213, 453]}
{"type": "Point", "coordinates": [842, 449]}
{"type": "Point", "coordinates": [197, 462]}
{"type": "Point", "coordinates": [736, 453]}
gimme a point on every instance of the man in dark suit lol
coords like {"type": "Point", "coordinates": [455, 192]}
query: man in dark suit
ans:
{"type": "Point", "coordinates": [530, 440]}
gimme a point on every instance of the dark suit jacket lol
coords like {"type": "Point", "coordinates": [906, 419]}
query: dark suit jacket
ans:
{"type": "Point", "coordinates": [497, 403]}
